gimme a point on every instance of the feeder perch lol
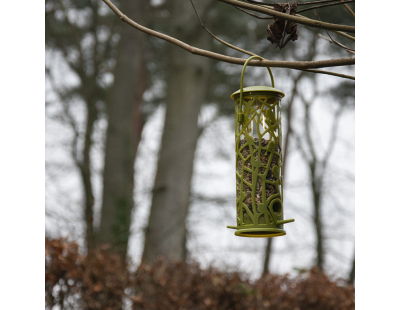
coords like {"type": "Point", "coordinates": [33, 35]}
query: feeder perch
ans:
{"type": "Point", "coordinates": [258, 143]}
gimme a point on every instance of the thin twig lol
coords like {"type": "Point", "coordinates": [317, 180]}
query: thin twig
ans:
{"type": "Point", "coordinates": [349, 50]}
{"type": "Point", "coordinates": [348, 9]}
{"type": "Point", "coordinates": [270, 5]}
{"type": "Point", "coordinates": [316, 2]}
{"type": "Point", "coordinates": [335, 31]}
{"type": "Point", "coordinates": [301, 148]}
{"type": "Point", "coordinates": [215, 37]}
{"type": "Point", "coordinates": [333, 138]}
{"type": "Point", "coordinates": [302, 3]}
{"type": "Point", "coordinates": [325, 5]}
{"type": "Point", "coordinates": [301, 20]}
{"type": "Point", "coordinates": [301, 65]}
{"type": "Point", "coordinates": [340, 44]}
{"type": "Point", "coordinates": [254, 15]}
{"type": "Point", "coordinates": [345, 35]}
{"type": "Point", "coordinates": [289, 122]}
{"type": "Point", "coordinates": [325, 38]}
{"type": "Point", "coordinates": [338, 32]}
{"type": "Point", "coordinates": [345, 76]}
{"type": "Point", "coordinates": [307, 106]}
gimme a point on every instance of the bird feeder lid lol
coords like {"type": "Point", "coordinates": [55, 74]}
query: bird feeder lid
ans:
{"type": "Point", "coordinates": [253, 89]}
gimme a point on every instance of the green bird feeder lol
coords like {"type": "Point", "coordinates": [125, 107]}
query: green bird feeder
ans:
{"type": "Point", "coordinates": [258, 143]}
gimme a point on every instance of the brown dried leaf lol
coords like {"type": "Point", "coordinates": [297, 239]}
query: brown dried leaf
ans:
{"type": "Point", "coordinates": [281, 31]}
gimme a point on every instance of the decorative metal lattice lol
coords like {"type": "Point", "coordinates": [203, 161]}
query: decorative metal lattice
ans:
{"type": "Point", "coordinates": [258, 140]}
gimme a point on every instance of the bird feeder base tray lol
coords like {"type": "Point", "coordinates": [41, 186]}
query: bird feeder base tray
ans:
{"type": "Point", "coordinates": [260, 232]}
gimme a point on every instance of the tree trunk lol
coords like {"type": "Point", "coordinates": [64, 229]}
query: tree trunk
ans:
{"type": "Point", "coordinates": [85, 170]}
{"type": "Point", "coordinates": [187, 78]}
{"type": "Point", "coordinates": [267, 259]}
{"type": "Point", "coordinates": [83, 161]}
{"type": "Point", "coordinates": [123, 132]}
{"type": "Point", "coordinates": [352, 274]}
{"type": "Point", "coordinates": [316, 190]}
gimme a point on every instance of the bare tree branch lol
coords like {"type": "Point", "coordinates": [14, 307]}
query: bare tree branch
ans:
{"type": "Point", "coordinates": [307, 122]}
{"type": "Point", "coordinates": [301, 20]}
{"type": "Point", "coordinates": [251, 14]}
{"type": "Point", "coordinates": [345, 35]}
{"type": "Point", "coordinates": [333, 138]}
{"type": "Point", "coordinates": [348, 9]}
{"type": "Point", "coordinates": [289, 121]}
{"type": "Point", "coordinates": [252, 54]}
{"type": "Point", "coordinates": [301, 3]}
{"type": "Point", "coordinates": [340, 44]}
{"type": "Point", "coordinates": [347, 49]}
{"type": "Point", "coordinates": [345, 76]}
{"type": "Point", "coordinates": [300, 147]}
{"type": "Point", "coordinates": [301, 65]}
{"type": "Point", "coordinates": [325, 5]}
{"type": "Point", "coordinates": [216, 38]}
{"type": "Point", "coordinates": [315, 2]}
{"type": "Point", "coordinates": [333, 135]}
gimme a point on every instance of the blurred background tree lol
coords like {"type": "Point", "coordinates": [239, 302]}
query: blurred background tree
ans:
{"type": "Point", "coordinates": [186, 90]}
{"type": "Point", "coordinates": [116, 97]}
{"type": "Point", "coordinates": [110, 84]}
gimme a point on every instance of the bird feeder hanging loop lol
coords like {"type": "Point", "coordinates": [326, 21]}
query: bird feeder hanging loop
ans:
{"type": "Point", "coordinates": [241, 116]}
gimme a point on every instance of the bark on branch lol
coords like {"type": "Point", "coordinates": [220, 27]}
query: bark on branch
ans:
{"type": "Point", "coordinates": [300, 65]}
